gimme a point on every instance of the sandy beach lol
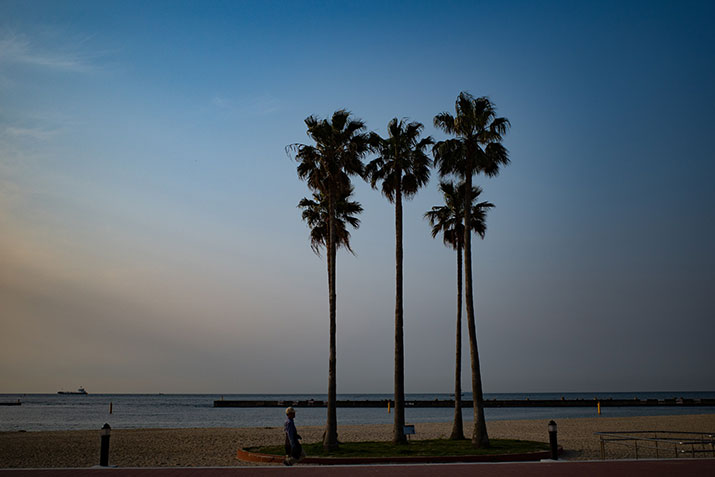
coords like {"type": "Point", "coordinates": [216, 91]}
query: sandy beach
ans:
{"type": "Point", "coordinates": [217, 446]}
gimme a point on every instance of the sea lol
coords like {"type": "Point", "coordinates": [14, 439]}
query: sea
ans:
{"type": "Point", "coordinates": [55, 412]}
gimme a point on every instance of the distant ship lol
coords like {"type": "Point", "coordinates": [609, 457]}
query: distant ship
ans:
{"type": "Point", "coordinates": [79, 391]}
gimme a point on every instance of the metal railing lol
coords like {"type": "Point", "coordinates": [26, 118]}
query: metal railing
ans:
{"type": "Point", "coordinates": [660, 443]}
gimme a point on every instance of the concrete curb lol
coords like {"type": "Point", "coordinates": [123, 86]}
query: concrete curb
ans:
{"type": "Point", "coordinates": [248, 456]}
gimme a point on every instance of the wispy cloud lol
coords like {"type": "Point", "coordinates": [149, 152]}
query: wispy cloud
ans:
{"type": "Point", "coordinates": [20, 50]}
{"type": "Point", "coordinates": [221, 102]}
{"type": "Point", "coordinates": [32, 133]}
{"type": "Point", "coordinates": [264, 104]}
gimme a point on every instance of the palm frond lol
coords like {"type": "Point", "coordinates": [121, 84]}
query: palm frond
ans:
{"type": "Point", "coordinates": [315, 214]}
{"type": "Point", "coordinates": [401, 160]}
{"type": "Point", "coordinates": [340, 119]}
{"type": "Point", "coordinates": [494, 156]}
{"type": "Point", "coordinates": [445, 122]}
{"type": "Point", "coordinates": [477, 147]}
{"type": "Point", "coordinates": [448, 156]}
{"type": "Point", "coordinates": [340, 145]}
{"type": "Point", "coordinates": [448, 219]}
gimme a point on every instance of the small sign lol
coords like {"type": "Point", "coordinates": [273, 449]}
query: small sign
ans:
{"type": "Point", "coordinates": [409, 429]}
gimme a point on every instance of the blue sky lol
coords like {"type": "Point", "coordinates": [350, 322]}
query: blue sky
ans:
{"type": "Point", "coordinates": [150, 236]}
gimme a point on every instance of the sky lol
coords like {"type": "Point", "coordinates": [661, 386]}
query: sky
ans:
{"type": "Point", "coordinates": [149, 234]}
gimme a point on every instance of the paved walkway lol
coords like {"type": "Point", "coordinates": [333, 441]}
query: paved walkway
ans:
{"type": "Point", "coordinates": [642, 468]}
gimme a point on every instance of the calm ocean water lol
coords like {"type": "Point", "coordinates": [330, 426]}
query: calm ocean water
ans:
{"type": "Point", "coordinates": [40, 412]}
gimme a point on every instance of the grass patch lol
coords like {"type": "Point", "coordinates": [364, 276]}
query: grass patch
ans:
{"type": "Point", "coordinates": [433, 447]}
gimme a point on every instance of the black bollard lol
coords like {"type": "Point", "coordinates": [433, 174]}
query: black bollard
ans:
{"type": "Point", "coordinates": [553, 440]}
{"type": "Point", "coordinates": [104, 446]}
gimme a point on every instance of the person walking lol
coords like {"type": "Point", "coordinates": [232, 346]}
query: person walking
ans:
{"type": "Point", "coordinates": [294, 451]}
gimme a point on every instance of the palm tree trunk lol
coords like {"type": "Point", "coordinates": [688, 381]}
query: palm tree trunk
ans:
{"type": "Point", "coordinates": [458, 426]}
{"type": "Point", "coordinates": [479, 433]}
{"type": "Point", "coordinates": [330, 438]}
{"type": "Point", "coordinates": [398, 433]}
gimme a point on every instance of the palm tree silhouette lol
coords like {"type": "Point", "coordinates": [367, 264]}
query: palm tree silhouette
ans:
{"type": "Point", "coordinates": [340, 145]}
{"type": "Point", "coordinates": [447, 219]}
{"type": "Point", "coordinates": [402, 167]}
{"type": "Point", "coordinates": [316, 213]}
{"type": "Point", "coordinates": [476, 149]}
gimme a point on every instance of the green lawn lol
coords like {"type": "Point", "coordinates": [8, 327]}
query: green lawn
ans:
{"type": "Point", "coordinates": [435, 447]}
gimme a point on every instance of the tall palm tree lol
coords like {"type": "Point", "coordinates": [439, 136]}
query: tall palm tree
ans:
{"type": "Point", "coordinates": [476, 149]}
{"type": "Point", "coordinates": [340, 145]}
{"type": "Point", "coordinates": [315, 213]}
{"type": "Point", "coordinates": [402, 167]}
{"type": "Point", "coordinates": [448, 220]}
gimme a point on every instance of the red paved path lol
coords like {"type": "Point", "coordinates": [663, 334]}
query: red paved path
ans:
{"type": "Point", "coordinates": [662, 468]}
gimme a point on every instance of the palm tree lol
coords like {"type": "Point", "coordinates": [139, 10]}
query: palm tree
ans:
{"type": "Point", "coordinates": [403, 167]}
{"type": "Point", "coordinates": [340, 145]}
{"type": "Point", "coordinates": [476, 149]}
{"type": "Point", "coordinates": [448, 220]}
{"type": "Point", "coordinates": [315, 213]}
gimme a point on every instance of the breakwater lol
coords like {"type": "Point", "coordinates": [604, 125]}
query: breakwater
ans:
{"type": "Point", "coordinates": [56, 412]}
{"type": "Point", "coordinates": [488, 403]}
{"type": "Point", "coordinates": [11, 403]}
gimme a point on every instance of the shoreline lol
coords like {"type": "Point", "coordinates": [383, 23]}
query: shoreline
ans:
{"type": "Point", "coordinates": [216, 447]}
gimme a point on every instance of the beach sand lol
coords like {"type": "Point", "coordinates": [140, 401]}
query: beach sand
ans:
{"type": "Point", "coordinates": [217, 446]}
